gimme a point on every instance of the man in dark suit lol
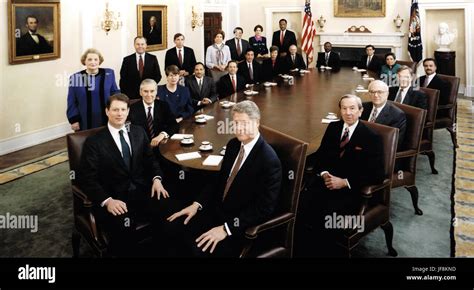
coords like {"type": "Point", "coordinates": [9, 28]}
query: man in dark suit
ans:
{"type": "Point", "coordinates": [350, 156]}
{"type": "Point", "coordinates": [31, 42]}
{"type": "Point", "coordinates": [431, 80]}
{"type": "Point", "coordinates": [283, 38]}
{"type": "Point", "coordinates": [202, 88]}
{"type": "Point", "coordinates": [244, 194]}
{"type": "Point", "coordinates": [293, 60]}
{"type": "Point", "coordinates": [328, 58]}
{"type": "Point", "coordinates": [137, 67]}
{"type": "Point", "coordinates": [237, 45]}
{"type": "Point", "coordinates": [231, 82]}
{"type": "Point", "coordinates": [250, 69]}
{"type": "Point", "coordinates": [181, 56]}
{"type": "Point", "coordinates": [117, 172]}
{"type": "Point", "coordinates": [382, 112]}
{"type": "Point", "coordinates": [152, 32]}
{"type": "Point", "coordinates": [405, 93]}
{"type": "Point", "coordinates": [370, 61]}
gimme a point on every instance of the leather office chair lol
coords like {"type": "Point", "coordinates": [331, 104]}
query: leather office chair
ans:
{"type": "Point", "coordinates": [405, 174]}
{"type": "Point", "coordinates": [410, 64]}
{"type": "Point", "coordinates": [274, 238]}
{"type": "Point", "coordinates": [426, 146]}
{"type": "Point", "coordinates": [85, 225]}
{"type": "Point", "coordinates": [375, 207]}
{"type": "Point", "coordinates": [446, 115]}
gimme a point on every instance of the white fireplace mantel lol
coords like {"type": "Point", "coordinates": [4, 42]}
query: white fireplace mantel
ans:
{"type": "Point", "coordinates": [393, 41]}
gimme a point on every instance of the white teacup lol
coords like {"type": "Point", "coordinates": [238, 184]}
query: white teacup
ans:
{"type": "Point", "coordinates": [354, 68]}
{"type": "Point", "coordinates": [206, 145]}
{"type": "Point", "coordinates": [187, 140]}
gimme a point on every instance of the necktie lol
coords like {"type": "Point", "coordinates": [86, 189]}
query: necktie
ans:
{"type": "Point", "coordinates": [149, 122]}
{"type": "Point", "coordinates": [326, 59]}
{"type": "Point", "coordinates": [180, 58]}
{"type": "Point", "coordinates": [373, 116]}
{"type": "Point", "coordinates": [234, 171]}
{"type": "Point", "coordinates": [200, 85]}
{"type": "Point", "coordinates": [369, 59]}
{"type": "Point", "coordinates": [233, 84]}
{"type": "Point", "coordinates": [426, 82]}
{"type": "Point", "coordinates": [250, 71]}
{"type": "Point", "coordinates": [398, 99]}
{"type": "Point", "coordinates": [239, 49]}
{"type": "Point", "coordinates": [282, 36]}
{"type": "Point", "coordinates": [293, 59]}
{"type": "Point", "coordinates": [344, 141]}
{"type": "Point", "coordinates": [140, 66]}
{"type": "Point", "coordinates": [125, 150]}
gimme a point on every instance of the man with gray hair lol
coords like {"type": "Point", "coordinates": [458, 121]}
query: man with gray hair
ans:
{"type": "Point", "coordinates": [244, 193]}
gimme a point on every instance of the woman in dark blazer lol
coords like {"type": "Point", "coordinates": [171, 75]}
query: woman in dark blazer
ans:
{"type": "Point", "coordinates": [259, 42]}
{"type": "Point", "coordinates": [272, 66]}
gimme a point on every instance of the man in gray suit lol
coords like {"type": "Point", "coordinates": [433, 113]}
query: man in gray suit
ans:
{"type": "Point", "coordinates": [202, 88]}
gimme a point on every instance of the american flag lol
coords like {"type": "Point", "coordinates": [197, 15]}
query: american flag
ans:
{"type": "Point", "coordinates": [309, 31]}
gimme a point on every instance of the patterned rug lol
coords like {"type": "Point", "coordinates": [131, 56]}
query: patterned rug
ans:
{"type": "Point", "coordinates": [32, 166]}
{"type": "Point", "coordinates": [464, 182]}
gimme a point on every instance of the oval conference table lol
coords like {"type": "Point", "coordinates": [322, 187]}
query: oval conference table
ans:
{"type": "Point", "coordinates": [294, 109]}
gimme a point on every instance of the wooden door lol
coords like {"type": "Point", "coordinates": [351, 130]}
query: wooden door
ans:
{"type": "Point", "coordinates": [212, 24]}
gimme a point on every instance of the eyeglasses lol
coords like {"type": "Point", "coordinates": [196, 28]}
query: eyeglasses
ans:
{"type": "Point", "coordinates": [377, 92]}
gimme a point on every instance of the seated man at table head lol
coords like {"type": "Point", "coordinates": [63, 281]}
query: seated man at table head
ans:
{"type": "Point", "coordinates": [237, 45]}
{"type": "Point", "coordinates": [370, 61]}
{"type": "Point", "coordinates": [181, 56]}
{"type": "Point", "coordinates": [120, 176]}
{"type": "Point", "coordinates": [232, 82]}
{"type": "Point", "coordinates": [328, 58]}
{"type": "Point", "coordinates": [153, 115]}
{"type": "Point", "coordinates": [250, 69]}
{"type": "Point", "coordinates": [293, 60]}
{"type": "Point", "coordinates": [382, 112]}
{"type": "Point", "coordinates": [272, 66]}
{"type": "Point", "coordinates": [177, 96]}
{"type": "Point", "coordinates": [283, 38]}
{"type": "Point", "coordinates": [244, 194]}
{"type": "Point", "coordinates": [406, 93]}
{"type": "Point", "coordinates": [202, 88]}
{"type": "Point", "coordinates": [432, 80]}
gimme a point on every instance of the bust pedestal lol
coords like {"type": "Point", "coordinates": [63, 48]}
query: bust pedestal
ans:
{"type": "Point", "coordinates": [446, 62]}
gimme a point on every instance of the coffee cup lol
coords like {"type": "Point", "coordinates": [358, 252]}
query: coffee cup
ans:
{"type": "Point", "coordinates": [206, 145]}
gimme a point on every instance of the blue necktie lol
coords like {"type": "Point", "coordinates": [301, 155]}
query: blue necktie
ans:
{"type": "Point", "coordinates": [125, 150]}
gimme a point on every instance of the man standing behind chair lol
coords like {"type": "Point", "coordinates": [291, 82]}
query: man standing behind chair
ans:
{"type": "Point", "coordinates": [181, 56]}
{"type": "Point", "coordinates": [328, 58]}
{"type": "Point", "coordinates": [32, 42]}
{"type": "Point", "coordinates": [231, 82]}
{"type": "Point", "coordinates": [283, 38]}
{"type": "Point", "coordinates": [293, 60]}
{"type": "Point", "coordinates": [431, 80]}
{"type": "Point", "coordinates": [405, 93]}
{"type": "Point", "coordinates": [244, 194]}
{"type": "Point", "coordinates": [382, 112]}
{"type": "Point", "coordinates": [250, 69]}
{"type": "Point", "coordinates": [237, 45]}
{"type": "Point", "coordinates": [137, 67]}
{"type": "Point", "coordinates": [120, 176]}
{"type": "Point", "coordinates": [202, 88]}
{"type": "Point", "coordinates": [370, 61]}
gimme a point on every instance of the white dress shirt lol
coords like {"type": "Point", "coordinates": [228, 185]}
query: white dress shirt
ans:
{"type": "Point", "coordinates": [35, 37]}
{"type": "Point", "coordinates": [404, 93]}
{"type": "Point", "coordinates": [378, 111]}
{"type": "Point", "coordinates": [429, 78]}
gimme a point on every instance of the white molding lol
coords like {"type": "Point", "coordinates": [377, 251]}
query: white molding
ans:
{"type": "Point", "coordinates": [34, 138]}
{"type": "Point", "coordinates": [269, 18]}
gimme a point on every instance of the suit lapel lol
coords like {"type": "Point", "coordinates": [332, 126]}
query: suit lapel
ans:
{"type": "Point", "coordinates": [134, 143]}
{"type": "Point", "coordinates": [115, 152]}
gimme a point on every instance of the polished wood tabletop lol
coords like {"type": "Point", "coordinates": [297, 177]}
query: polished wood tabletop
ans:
{"type": "Point", "coordinates": [294, 109]}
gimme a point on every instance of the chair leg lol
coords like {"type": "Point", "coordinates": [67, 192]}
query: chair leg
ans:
{"type": "Point", "coordinates": [431, 158]}
{"type": "Point", "coordinates": [76, 243]}
{"type": "Point", "coordinates": [388, 230]}
{"type": "Point", "coordinates": [453, 137]}
{"type": "Point", "coordinates": [414, 199]}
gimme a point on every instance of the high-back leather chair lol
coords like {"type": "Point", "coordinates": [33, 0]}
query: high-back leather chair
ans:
{"type": "Point", "coordinates": [446, 115]}
{"type": "Point", "coordinates": [375, 207]}
{"type": "Point", "coordinates": [405, 171]}
{"type": "Point", "coordinates": [426, 146]}
{"type": "Point", "coordinates": [409, 64]}
{"type": "Point", "coordinates": [274, 238]}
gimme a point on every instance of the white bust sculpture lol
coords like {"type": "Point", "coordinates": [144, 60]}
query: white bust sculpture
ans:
{"type": "Point", "coordinates": [444, 38]}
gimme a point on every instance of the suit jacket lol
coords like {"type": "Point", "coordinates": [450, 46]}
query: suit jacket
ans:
{"type": "Point", "coordinates": [225, 87]}
{"type": "Point", "coordinates": [375, 64]}
{"type": "Point", "coordinates": [391, 116]}
{"type": "Point", "coordinates": [362, 162]}
{"type": "Point", "coordinates": [233, 49]}
{"type": "Point", "coordinates": [253, 195]}
{"type": "Point", "coordinates": [334, 60]}
{"type": "Point", "coordinates": [270, 72]}
{"type": "Point", "coordinates": [257, 72]}
{"type": "Point", "coordinates": [288, 40]}
{"type": "Point", "coordinates": [413, 97]}
{"type": "Point", "coordinates": [163, 118]}
{"type": "Point", "coordinates": [289, 65]}
{"type": "Point", "coordinates": [189, 62]}
{"type": "Point", "coordinates": [103, 173]}
{"type": "Point", "coordinates": [154, 37]}
{"type": "Point", "coordinates": [27, 46]}
{"type": "Point", "coordinates": [130, 79]}
{"type": "Point", "coordinates": [208, 90]}
{"type": "Point", "coordinates": [438, 84]}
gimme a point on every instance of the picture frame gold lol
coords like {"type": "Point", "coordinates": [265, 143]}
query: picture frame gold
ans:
{"type": "Point", "coordinates": [34, 31]}
{"type": "Point", "coordinates": [157, 38]}
{"type": "Point", "coordinates": [359, 8]}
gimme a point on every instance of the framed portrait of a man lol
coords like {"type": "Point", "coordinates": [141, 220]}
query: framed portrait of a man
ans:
{"type": "Point", "coordinates": [359, 8]}
{"type": "Point", "coordinates": [152, 24]}
{"type": "Point", "coordinates": [33, 30]}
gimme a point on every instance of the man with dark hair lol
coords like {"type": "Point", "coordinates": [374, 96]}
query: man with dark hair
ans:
{"type": "Point", "coordinates": [181, 56]}
{"type": "Point", "coordinates": [120, 176]}
{"type": "Point", "coordinates": [32, 43]}
{"type": "Point", "coordinates": [283, 38]}
{"type": "Point", "coordinates": [431, 80]}
{"type": "Point", "coordinates": [237, 45]}
{"type": "Point", "coordinates": [405, 93]}
{"type": "Point", "coordinates": [370, 61]}
{"type": "Point", "coordinates": [328, 58]}
{"type": "Point", "coordinates": [231, 82]}
{"type": "Point", "coordinates": [202, 88]}
{"type": "Point", "coordinates": [137, 67]}
{"type": "Point", "coordinates": [250, 69]}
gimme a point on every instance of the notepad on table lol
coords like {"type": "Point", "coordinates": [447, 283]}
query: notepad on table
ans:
{"type": "Point", "coordinates": [361, 90]}
{"type": "Point", "coordinates": [327, 121]}
{"type": "Point", "coordinates": [188, 156]}
{"type": "Point", "coordinates": [212, 160]}
{"type": "Point", "coordinates": [181, 136]}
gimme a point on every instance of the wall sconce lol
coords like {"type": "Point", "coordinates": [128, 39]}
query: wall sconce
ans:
{"type": "Point", "coordinates": [196, 19]}
{"type": "Point", "coordinates": [110, 21]}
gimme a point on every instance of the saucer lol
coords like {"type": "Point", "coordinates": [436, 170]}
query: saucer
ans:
{"type": "Point", "coordinates": [205, 148]}
{"type": "Point", "coordinates": [331, 117]}
{"type": "Point", "coordinates": [187, 142]}
{"type": "Point", "coordinates": [201, 121]}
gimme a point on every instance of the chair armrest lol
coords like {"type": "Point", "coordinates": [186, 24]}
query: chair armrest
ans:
{"type": "Point", "coordinates": [406, 153]}
{"type": "Point", "coordinates": [443, 107]}
{"type": "Point", "coordinates": [367, 191]}
{"type": "Point", "coordinates": [252, 232]}
{"type": "Point", "coordinates": [81, 195]}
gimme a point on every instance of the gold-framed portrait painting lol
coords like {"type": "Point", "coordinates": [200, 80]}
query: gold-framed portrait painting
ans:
{"type": "Point", "coordinates": [33, 30]}
{"type": "Point", "coordinates": [359, 8]}
{"type": "Point", "coordinates": [152, 24]}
